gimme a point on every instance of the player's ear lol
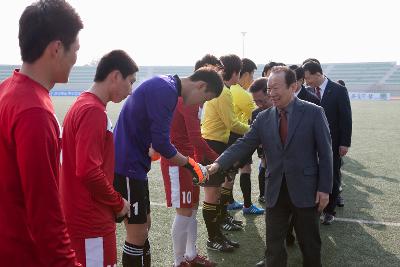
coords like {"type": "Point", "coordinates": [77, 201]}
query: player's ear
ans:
{"type": "Point", "coordinates": [54, 48]}
{"type": "Point", "coordinates": [202, 85]}
{"type": "Point", "coordinates": [114, 75]}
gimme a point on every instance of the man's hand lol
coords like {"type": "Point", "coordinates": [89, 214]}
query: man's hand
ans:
{"type": "Point", "coordinates": [212, 168]}
{"type": "Point", "coordinates": [126, 211]}
{"type": "Point", "coordinates": [200, 173]}
{"type": "Point", "coordinates": [322, 199]}
{"type": "Point", "coordinates": [343, 150]}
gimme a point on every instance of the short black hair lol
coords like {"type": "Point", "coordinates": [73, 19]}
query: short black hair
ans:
{"type": "Point", "coordinates": [232, 64]}
{"type": "Point", "coordinates": [258, 85]}
{"type": "Point", "coordinates": [115, 60]}
{"type": "Point", "coordinates": [311, 59]}
{"type": "Point", "coordinates": [290, 76]}
{"type": "Point", "coordinates": [210, 76]}
{"type": "Point", "coordinates": [312, 67]}
{"type": "Point", "coordinates": [208, 59]}
{"type": "Point", "coordinates": [46, 21]}
{"type": "Point", "coordinates": [247, 66]}
{"type": "Point", "coordinates": [269, 66]}
{"type": "Point", "coordinates": [341, 82]}
{"type": "Point", "coordinates": [299, 71]}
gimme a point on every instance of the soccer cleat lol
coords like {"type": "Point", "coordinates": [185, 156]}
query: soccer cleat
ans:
{"type": "Point", "coordinates": [219, 244]}
{"type": "Point", "coordinates": [232, 243]}
{"type": "Point", "coordinates": [340, 201]}
{"type": "Point", "coordinates": [261, 199]}
{"type": "Point", "coordinates": [229, 218]}
{"type": "Point", "coordinates": [201, 261]}
{"type": "Point", "coordinates": [235, 206]}
{"type": "Point", "coordinates": [261, 263]}
{"type": "Point", "coordinates": [227, 226]}
{"type": "Point", "coordinates": [253, 209]}
{"type": "Point", "coordinates": [327, 219]}
{"type": "Point", "coordinates": [183, 264]}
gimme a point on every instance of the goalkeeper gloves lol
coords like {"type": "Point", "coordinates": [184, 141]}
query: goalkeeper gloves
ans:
{"type": "Point", "coordinates": [200, 174]}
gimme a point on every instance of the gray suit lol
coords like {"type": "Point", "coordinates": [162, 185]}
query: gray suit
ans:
{"type": "Point", "coordinates": [305, 159]}
{"type": "Point", "coordinates": [295, 172]}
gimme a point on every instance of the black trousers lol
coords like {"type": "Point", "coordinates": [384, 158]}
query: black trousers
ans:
{"type": "Point", "coordinates": [306, 224]}
{"type": "Point", "coordinates": [337, 181]}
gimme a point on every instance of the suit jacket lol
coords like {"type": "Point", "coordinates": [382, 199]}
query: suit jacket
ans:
{"type": "Point", "coordinates": [306, 95]}
{"type": "Point", "coordinates": [336, 104]}
{"type": "Point", "coordinates": [305, 159]}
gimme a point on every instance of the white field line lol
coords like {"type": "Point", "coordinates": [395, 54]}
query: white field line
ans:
{"type": "Point", "coordinates": [336, 218]}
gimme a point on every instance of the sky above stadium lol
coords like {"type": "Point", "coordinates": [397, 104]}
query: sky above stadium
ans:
{"type": "Point", "coordinates": [178, 32]}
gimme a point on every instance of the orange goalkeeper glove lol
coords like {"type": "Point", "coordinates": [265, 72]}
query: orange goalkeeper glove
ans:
{"type": "Point", "coordinates": [200, 173]}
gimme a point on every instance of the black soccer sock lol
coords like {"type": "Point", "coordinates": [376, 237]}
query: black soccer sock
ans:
{"type": "Point", "coordinates": [245, 185]}
{"type": "Point", "coordinates": [132, 255]}
{"type": "Point", "coordinates": [223, 204]}
{"type": "Point", "coordinates": [210, 218]}
{"type": "Point", "coordinates": [231, 199]}
{"type": "Point", "coordinates": [261, 181]}
{"type": "Point", "coordinates": [146, 254]}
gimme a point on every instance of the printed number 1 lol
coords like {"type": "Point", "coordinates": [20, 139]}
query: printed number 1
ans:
{"type": "Point", "coordinates": [186, 197]}
{"type": "Point", "coordinates": [135, 207]}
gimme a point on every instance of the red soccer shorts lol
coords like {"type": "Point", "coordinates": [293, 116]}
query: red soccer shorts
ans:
{"type": "Point", "coordinates": [179, 189]}
{"type": "Point", "coordinates": [97, 251]}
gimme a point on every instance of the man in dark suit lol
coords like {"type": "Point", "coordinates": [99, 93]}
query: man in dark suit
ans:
{"type": "Point", "coordinates": [295, 138]}
{"type": "Point", "coordinates": [306, 95]}
{"type": "Point", "coordinates": [336, 103]}
{"type": "Point", "coordinates": [301, 91]}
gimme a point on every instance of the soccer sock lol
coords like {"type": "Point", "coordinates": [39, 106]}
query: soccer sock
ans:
{"type": "Point", "coordinates": [210, 218]}
{"type": "Point", "coordinates": [230, 199]}
{"type": "Point", "coordinates": [261, 181]}
{"type": "Point", "coordinates": [179, 236]}
{"type": "Point", "coordinates": [245, 185]}
{"type": "Point", "coordinates": [146, 254]}
{"type": "Point", "coordinates": [223, 204]}
{"type": "Point", "coordinates": [191, 250]}
{"type": "Point", "coordinates": [132, 255]}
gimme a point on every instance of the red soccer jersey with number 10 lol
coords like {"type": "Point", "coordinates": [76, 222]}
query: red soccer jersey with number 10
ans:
{"type": "Point", "coordinates": [32, 227]}
{"type": "Point", "coordinates": [88, 196]}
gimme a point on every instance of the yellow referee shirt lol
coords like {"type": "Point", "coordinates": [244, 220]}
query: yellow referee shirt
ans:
{"type": "Point", "coordinates": [220, 119]}
{"type": "Point", "coordinates": [243, 104]}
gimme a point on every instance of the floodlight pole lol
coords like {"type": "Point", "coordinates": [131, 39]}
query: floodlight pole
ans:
{"type": "Point", "coordinates": [243, 35]}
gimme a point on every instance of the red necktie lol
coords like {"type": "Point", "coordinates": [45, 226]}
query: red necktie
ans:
{"type": "Point", "coordinates": [318, 92]}
{"type": "Point", "coordinates": [283, 125]}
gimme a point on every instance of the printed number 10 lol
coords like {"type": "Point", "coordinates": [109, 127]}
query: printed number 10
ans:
{"type": "Point", "coordinates": [186, 197]}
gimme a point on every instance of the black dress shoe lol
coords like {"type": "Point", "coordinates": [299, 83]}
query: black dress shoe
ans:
{"type": "Point", "coordinates": [290, 240]}
{"type": "Point", "coordinates": [261, 263]}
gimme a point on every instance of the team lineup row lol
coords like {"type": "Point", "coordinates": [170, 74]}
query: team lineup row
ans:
{"type": "Point", "coordinates": [206, 127]}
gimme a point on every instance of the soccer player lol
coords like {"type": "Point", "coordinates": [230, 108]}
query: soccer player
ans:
{"type": "Point", "coordinates": [33, 230]}
{"type": "Point", "coordinates": [145, 122]}
{"type": "Point", "coordinates": [243, 107]}
{"type": "Point", "coordinates": [219, 120]}
{"type": "Point", "coordinates": [180, 192]}
{"type": "Point", "coordinates": [89, 200]}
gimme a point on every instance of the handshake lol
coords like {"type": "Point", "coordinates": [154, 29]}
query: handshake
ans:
{"type": "Point", "coordinates": [201, 173]}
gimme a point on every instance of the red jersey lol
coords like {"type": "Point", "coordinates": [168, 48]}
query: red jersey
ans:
{"type": "Point", "coordinates": [33, 231]}
{"type": "Point", "coordinates": [87, 173]}
{"type": "Point", "coordinates": [186, 133]}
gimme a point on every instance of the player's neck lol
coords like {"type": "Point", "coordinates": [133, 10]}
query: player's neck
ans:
{"type": "Point", "coordinates": [38, 73]}
{"type": "Point", "coordinates": [100, 90]}
{"type": "Point", "coordinates": [186, 87]}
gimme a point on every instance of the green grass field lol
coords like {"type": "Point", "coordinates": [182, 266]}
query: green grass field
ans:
{"type": "Point", "coordinates": [371, 177]}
